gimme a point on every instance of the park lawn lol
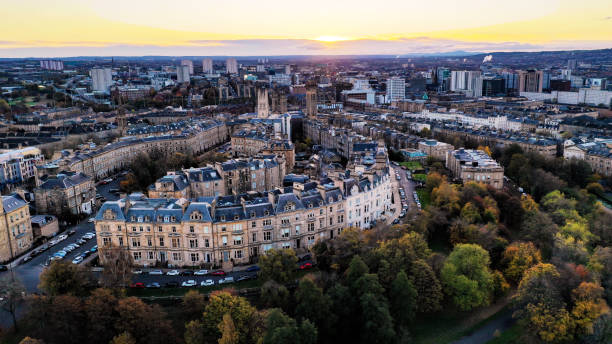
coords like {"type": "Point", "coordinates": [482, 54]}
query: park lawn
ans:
{"type": "Point", "coordinates": [424, 197]}
{"type": "Point", "coordinates": [510, 336]}
{"type": "Point", "coordinates": [420, 177]}
{"type": "Point", "coordinates": [412, 165]}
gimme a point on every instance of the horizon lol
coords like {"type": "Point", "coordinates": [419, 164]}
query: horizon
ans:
{"type": "Point", "coordinates": [72, 28]}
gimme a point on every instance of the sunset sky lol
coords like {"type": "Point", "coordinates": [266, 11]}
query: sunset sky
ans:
{"type": "Point", "coordinates": [315, 27]}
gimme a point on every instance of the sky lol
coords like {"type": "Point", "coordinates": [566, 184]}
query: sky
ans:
{"type": "Point", "coordinates": [61, 28]}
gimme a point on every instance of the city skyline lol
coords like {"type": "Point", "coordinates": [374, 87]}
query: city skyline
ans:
{"type": "Point", "coordinates": [136, 28]}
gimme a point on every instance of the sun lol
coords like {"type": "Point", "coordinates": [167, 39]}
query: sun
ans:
{"type": "Point", "coordinates": [331, 38]}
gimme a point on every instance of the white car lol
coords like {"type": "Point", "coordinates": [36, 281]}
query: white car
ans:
{"type": "Point", "coordinates": [108, 180]}
{"type": "Point", "coordinates": [189, 283]}
{"type": "Point", "coordinates": [201, 272]}
{"type": "Point", "coordinates": [62, 237]}
{"type": "Point", "coordinates": [172, 273]}
{"type": "Point", "coordinates": [137, 272]}
{"type": "Point", "coordinates": [207, 283]}
{"type": "Point", "coordinates": [77, 260]}
{"type": "Point", "coordinates": [156, 272]}
{"type": "Point", "coordinates": [226, 280]}
{"type": "Point", "coordinates": [91, 219]}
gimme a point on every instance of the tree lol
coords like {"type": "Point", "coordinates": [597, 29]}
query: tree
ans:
{"type": "Point", "coordinates": [486, 149]}
{"type": "Point", "coordinates": [117, 271]}
{"type": "Point", "coordinates": [228, 331]}
{"type": "Point", "coordinates": [274, 295]}
{"type": "Point", "coordinates": [599, 225]}
{"type": "Point", "coordinates": [278, 265]}
{"type": "Point", "coordinates": [541, 230]}
{"type": "Point", "coordinates": [123, 338]}
{"type": "Point", "coordinates": [312, 304]}
{"type": "Point", "coordinates": [518, 257]}
{"type": "Point", "coordinates": [148, 324]}
{"type": "Point", "coordinates": [433, 180]}
{"type": "Point", "coordinates": [28, 340]}
{"type": "Point", "coordinates": [470, 213]}
{"type": "Point", "coordinates": [62, 278]}
{"type": "Point", "coordinates": [244, 316]}
{"type": "Point", "coordinates": [194, 332]}
{"type": "Point", "coordinates": [589, 305]}
{"type": "Point", "coordinates": [12, 291]}
{"type": "Point", "coordinates": [4, 106]}
{"type": "Point", "coordinates": [402, 300]}
{"type": "Point", "coordinates": [467, 278]}
{"type": "Point", "coordinates": [193, 304]}
{"type": "Point", "coordinates": [446, 197]}
{"type": "Point", "coordinates": [357, 268]}
{"type": "Point", "coordinates": [281, 329]}
{"type": "Point", "coordinates": [377, 324]}
{"type": "Point", "coordinates": [429, 291]}
{"type": "Point", "coordinates": [100, 311]}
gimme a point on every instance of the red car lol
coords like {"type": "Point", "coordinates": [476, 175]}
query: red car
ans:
{"type": "Point", "coordinates": [305, 266]}
{"type": "Point", "coordinates": [218, 273]}
{"type": "Point", "coordinates": [137, 285]}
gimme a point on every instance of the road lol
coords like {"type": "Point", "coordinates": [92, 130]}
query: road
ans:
{"type": "Point", "coordinates": [28, 273]}
{"type": "Point", "coordinates": [408, 186]}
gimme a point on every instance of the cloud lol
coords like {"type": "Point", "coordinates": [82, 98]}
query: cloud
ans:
{"type": "Point", "coordinates": [271, 47]}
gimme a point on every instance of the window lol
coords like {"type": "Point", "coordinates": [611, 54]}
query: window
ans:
{"type": "Point", "coordinates": [311, 227]}
{"type": "Point", "coordinates": [238, 254]}
{"type": "Point", "coordinates": [149, 242]}
{"type": "Point", "coordinates": [176, 242]}
{"type": "Point", "coordinates": [297, 230]}
{"type": "Point", "coordinates": [161, 241]}
{"type": "Point", "coordinates": [254, 237]}
{"type": "Point", "coordinates": [267, 236]}
{"type": "Point", "coordinates": [340, 218]}
{"type": "Point", "coordinates": [321, 211]}
{"type": "Point", "coordinates": [150, 255]}
{"type": "Point", "coordinates": [133, 228]}
{"type": "Point", "coordinates": [120, 241]}
{"type": "Point", "coordinates": [177, 256]}
{"type": "Point", "coordinates": [285, 233]}
{"type": "Point", "coordinates": [321, 223]}
{"type": "Point", "coordinates": [106, 241]}
{"type": "Point", "coordinates": [135, 242]}
{"type": "Point", "coordinates": [267, 222]}
{"type": "Point", "coordinates": [206, 229]}
{"type": "Point", "coordinates": [331, 221]}
{"type": "Point", "coordinates": [195, 257]}
{"type": "Point", "coordinates": [173, 229]}
{"type": "Point", "coordinates": [206, 243]}
{"type": "Point", "coordinates": [253, 224]}
{"type": "Point", "coordinates": [119, 228]}
{"type": "Point", "coordinates": [159, 229]}
{"type": "Point", "coordinates": [285, 221]}
{"type": "Point", "coordinates": [193, 243]}
{"type": "Point", "coordinates": [237, 240]}
{"type": "Point", "coordinates": [224, 240]}
{"type": "Point", "coordinates": [137, 255]}
{"type": "Point", "coordinates": [191, 229]}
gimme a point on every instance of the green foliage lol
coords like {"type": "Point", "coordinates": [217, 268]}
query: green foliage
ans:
{"type": "Point", "coordinates": [243, 315]}
{"type": "Point", "coordinates": [467, 278]}
{"type": "Point", "coordinates": [312, 304]}
{"type": "Point", "coordinates": [274, 295]}
{"type": "Point", "coordinates": [64, 278]}
{"type": "Point", "coordinates": [278, 265]}
{"type": "Point", "coordinates": [429, 290]}
{"type": "Point", "coordinates": [402, 300]}
{"type": "Point", "coordinates": [281, 329]}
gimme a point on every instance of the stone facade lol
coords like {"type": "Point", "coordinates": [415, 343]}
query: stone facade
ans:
{"type": "Point", "coordinates": [67, 191]}
{"type": "Point", "coordinates": [475, 166]}
{"type": "Point", "coordinates": [16, 235]}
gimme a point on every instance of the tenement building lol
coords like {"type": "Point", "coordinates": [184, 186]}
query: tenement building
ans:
{"type": "Point", "coordinates": [66, 192]}
{"type": "Point", "coordinates": [15, 228]}
{"type": "Point", "coordinates": [226, 230]}
{"type": "Point", "coordinates": [471, 165]}
{"type": "Point", "coordinates": [227, 178]}
{"type": "Point", "coordinates": [198, 137]}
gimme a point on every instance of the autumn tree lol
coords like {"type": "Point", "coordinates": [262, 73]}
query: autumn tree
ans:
{"type": "Point", "coordinates": [274, 295]}
{"type": "Point", "coordinates": [245, 317]}
{"type": "Point", "coordinates": [518, 257]}
{"type": "Point", "coordinates": [589, 305]}
{"type": "Point", "coordinates": [193, 304]}
{"type": "Point", "coordinates": [467, 278]}
{"type": "Point", "coordinates": [229, 335]}
{"type": "Point", "coordinates": [28, 340]}
{"type": "Point", "coordinates": [62, 278]}
{"type": "Point", "coordinates": [117, 271]}
{"type": "Point", "coordinates": [147, 324]}
{"type": "Point", "coordinates": [123, 338]}
{"type": "Point", "coordinates": [278, 265]}
{"type": "Point", "coordinates": [101, 314]}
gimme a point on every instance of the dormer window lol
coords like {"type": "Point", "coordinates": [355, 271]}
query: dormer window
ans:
{"type": "Point", "coordinates": [309, 205]}
{"type": "Point", "coordinates": [267, 213]}
{"type": "Point", "coordinates": [236, 217]}
{"type": "Point", "coordinates": [139, 218]}
{"type": "Point", "coordinates": [320, 203]}
{"type": "Point", "coordinates": [166, 218]}
{"type": "Point", "coordinates": [195, 216]}
{"type": "Point", "coordinates": [253, 214]}
{"type": "Point", "coordinates": [222, 217]}
{"type": "Point", "coordinates": [133, 218]}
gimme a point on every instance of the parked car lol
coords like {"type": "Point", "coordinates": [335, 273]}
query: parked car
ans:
{"type": "Point", "coordinates": [396, 221]}
{"type": "Point", "coordinates": [201, 272]}
{"type": "Point", "coordinates": [244, 278]}
{"type": "Point", "coordinates": [77, 260]}
{"type": "Point", "coordinates": [153, 285]}
{"type": "Point", "coordinates": [189, 283]}
{"type": "Point", "coordinates": [26, 259]}
{"type": "Point", "coordinates": [71, 232]}
{"type": "Point", "coordinates": [94, 249]}
{"type": "Point", "coordinates": [137, 271]}
{"type": "Point", "coordinates": [187, 273]}
{"type": "Point", "coordinates": [108, 180]}
{"type": "Point", "coordinates": [171, 284]}
{"type": "Point", "coordinates": [172, 273]}
{"type": "Point", "coordinates": [81, 241]}
{"type": "Point", "coordinates": [207, 283]}
{"type": "Point", "coordinates": [218, 273]}
{"type": "Point", "coordinates": [137, 285]}
{"type": "Point", "coordinates": [91, 219]}
{"type": "Point", "coordinates": [253, 268]}
{"type": "Point", "coordinates": [114, 191]}
{"type": "Point", "coordinates": [3, 268]}
{"type": "Point", "coordinates": [306, 266]}
{"type": "Point", "coordinates": [226, 280]}
{"type": "Point", "coordinates": [156, 272]}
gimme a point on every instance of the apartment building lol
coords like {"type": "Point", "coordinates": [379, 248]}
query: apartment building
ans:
{"type": "Point", "coordinates": [198, 137]}
{"type": "Point", "coordinates": [598, 154]}
{"type": "Point", "coordinates": [226, 230]}
{"type": "Point", "coordinates": [435, 148]}
{"type": "Point", "coordinates": [16, 235]}
{"type": "Point", "coordinates": [19, 165]}
{"type": "Point", "coordinates": [471, 165]}
{"type": "Point", "coordinates": [67, 191]}
{"type": "Point", "coordinates": [231, 177]}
